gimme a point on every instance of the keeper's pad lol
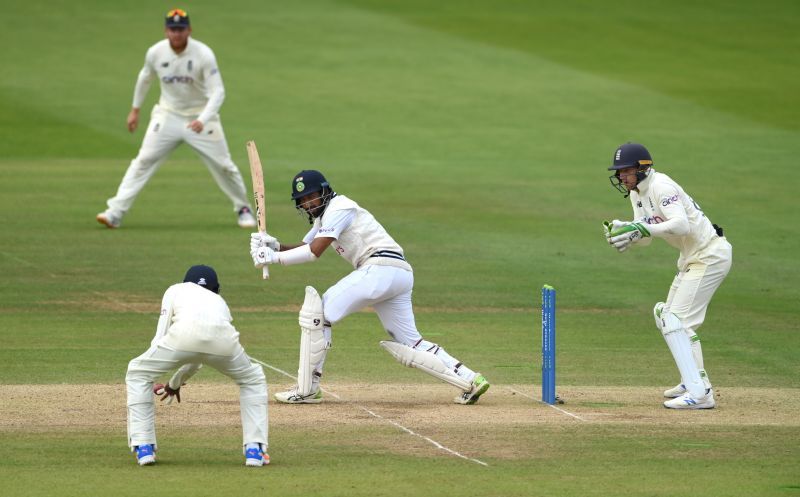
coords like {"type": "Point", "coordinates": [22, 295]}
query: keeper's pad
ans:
{"type": "Point", "coordinates": [312, 340]}
{"type": "Point", "coordinates": [425, 361]}
{"type": "Point", "coordinates": [681, 348]}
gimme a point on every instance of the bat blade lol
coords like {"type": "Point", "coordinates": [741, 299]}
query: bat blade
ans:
{"type": "Point", "coordinates": [257, 174]}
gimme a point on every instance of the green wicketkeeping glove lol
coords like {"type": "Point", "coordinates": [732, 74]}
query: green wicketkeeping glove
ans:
{"type": "Point", "coordinates": [620, 237]}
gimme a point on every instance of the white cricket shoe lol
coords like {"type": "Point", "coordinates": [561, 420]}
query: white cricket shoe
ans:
{"type": "Point", "coordinates": [675, 391]}
{"type": "Point", "coordinates": [292, 397]}
{"type": "Point", "coordinates": [246, 219]}
{"type": "Point", "coordinates": [686, 401]}
{"type": "Point", "coordinates": [109, 219]}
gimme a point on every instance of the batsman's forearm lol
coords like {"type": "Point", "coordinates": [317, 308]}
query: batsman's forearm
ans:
{"type": "Point", "coordinates": [290, 246]}
{"type": "Point", "coordinates": [298, 255]}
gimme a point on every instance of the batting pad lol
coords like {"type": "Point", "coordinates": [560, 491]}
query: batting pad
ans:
{"type": "Point", "coordinates": [425, 361]}
{"type": "Point", "coordinates": [312, 340]}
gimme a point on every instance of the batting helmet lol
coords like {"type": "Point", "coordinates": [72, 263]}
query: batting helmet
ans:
{"type": "Point", "coordinates": [204, 276]}
{"type": "Point", "coordinates": [307, 182]}
{"type": "Point", "coordinates": [630, 155]}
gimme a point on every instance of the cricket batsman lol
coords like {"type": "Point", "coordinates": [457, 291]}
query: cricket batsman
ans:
{"type": "Point", "coordinates": [381, 278]}
{"type": "Point", "coordinates": [662, 209]}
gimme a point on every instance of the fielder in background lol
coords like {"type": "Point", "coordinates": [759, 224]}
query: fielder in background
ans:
{"type": "Point", "coordinates": [381, 279]}
{"type": "Point", "coordinates": [662, 209]}
{"type": "Point", "coordinates": [195, 329]}
{"type": "Point", "coordinates": [191, 96]}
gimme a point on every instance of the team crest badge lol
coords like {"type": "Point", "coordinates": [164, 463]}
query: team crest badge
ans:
{"type": "Point", "coordinates": [300, 186]}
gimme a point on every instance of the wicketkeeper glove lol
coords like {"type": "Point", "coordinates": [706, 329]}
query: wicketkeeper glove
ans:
{"type": "Point", "coordinates": [622, 235]}
{"type": "Point", "coordinates": [167, 393]}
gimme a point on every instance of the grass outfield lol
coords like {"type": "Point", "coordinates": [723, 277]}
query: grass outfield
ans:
{"type": "Point", "coordinates": [479, 135]}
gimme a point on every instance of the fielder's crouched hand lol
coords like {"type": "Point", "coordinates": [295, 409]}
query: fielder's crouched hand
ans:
{"type": "Point", "coordinates": [167, 393]}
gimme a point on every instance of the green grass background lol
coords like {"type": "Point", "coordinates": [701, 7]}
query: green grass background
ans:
{"type": "Point", "coordinates": [479, 133]}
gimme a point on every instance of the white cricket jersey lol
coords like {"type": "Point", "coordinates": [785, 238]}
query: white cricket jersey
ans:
{"type": "Point", "coordinates": [191, 84]}
{"type": "Point", "coordinates": [196, 320]}
{"type": "Point", "coordinates": [661, 201]}
{"type": "Point", "coordinates": [359, 237]}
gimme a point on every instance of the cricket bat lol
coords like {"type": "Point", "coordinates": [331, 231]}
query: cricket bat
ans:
{"type": "Point", "coordinates": [258, 192]}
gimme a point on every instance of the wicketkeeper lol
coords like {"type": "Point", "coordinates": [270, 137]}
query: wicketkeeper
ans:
{"type": "Point", "coordinates": [195, 329]}
{"type": "Point", "coordinates": [382, 279]}
{"type": "Point", "coordinates": [662, 209]}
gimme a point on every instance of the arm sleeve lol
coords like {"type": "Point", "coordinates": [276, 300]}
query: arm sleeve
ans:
{"type": "Point", "coordinates": [297, 255]}
{"type": "Point", "coordinates": [183, 374]}
{"type": "Point", "coordinates": [215, 90]}
{"type": "Point", "coordinates": [143, 81]}
{"type": "Point", "coordinates": [310, 235]}
{"type": "Point", "coordinates": [337, 222]}
{"type": "Point", "coordinates": [165, 319]}
{"type": "Point", "coordinates": [676, 222]}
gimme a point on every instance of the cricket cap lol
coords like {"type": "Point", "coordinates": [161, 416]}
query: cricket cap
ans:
{"type": "Point", "coordinates": [204, 276]}
{"type": "Point", "coordinates": [176, 18]}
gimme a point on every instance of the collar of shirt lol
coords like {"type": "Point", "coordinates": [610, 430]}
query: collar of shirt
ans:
{"type": "Point", "coordinates": [644, 185]}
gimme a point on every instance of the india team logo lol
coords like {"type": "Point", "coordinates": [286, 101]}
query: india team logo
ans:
{"type": "Point", "coordinates": [300, 186]}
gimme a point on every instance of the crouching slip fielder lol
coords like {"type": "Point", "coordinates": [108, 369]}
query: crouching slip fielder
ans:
{"type": "Point", "coordinates": [662, 209]}
{"type": "Point", "coordinates": [382, 279]}
{"type": "Point", "coordinates": [195, 329]}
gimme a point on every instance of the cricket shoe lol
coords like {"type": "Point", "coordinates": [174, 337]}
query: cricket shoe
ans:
{"type": "Point", "coordinates": [246, 219]}
{"type": "Point", "coordinates": [479, 386]}
{"type": "Point", "coordinates": [145, 454]}
{"type": "Point", "coordinates": [292, 397]}
{"type": "Point", "coordinates": [675, 391]}
{"type": "Point", "coordinates": [256, 457]}
{"type": "Point", "coordinates": [109, 219]}
{"type": "Point", "coordinates": [686, 401]}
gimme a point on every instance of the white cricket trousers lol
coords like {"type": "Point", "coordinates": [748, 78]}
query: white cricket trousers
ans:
{"type": "Point", "coordinates": [387, 289]}
{"type": "Point", "coordinates": [159, 359]}
{"type": "Point", "coordinates": [691, 292]}
{"type": "Point", "coordinates": [165, 131]}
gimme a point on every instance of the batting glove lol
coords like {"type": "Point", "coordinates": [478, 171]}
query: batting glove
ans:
{"type": "Point", "coordinates": [263, 240]}
{"type": "Point", "coordinates": [167, 393]}
{"type": "Point", "coordinates": [263, 256]}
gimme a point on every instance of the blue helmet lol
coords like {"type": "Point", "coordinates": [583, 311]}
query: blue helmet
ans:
{"type": "Point", "coordinates": [307, 182]}
{"type": "Point", "coordinates": [630, 155]}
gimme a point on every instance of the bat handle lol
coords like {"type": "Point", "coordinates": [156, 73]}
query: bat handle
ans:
{"type": "Point", "coordinates": [265, 273]}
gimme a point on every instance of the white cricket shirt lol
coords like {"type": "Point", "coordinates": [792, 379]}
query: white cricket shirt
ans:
{"type": "Point", "coordinates": [196, 320]}
{"type": "Point", "coordinates": [191, 84]}
{"type": "Point", "coordinates": [673, 216]}
{"type": "Point", "coordinates": [359, 237]}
